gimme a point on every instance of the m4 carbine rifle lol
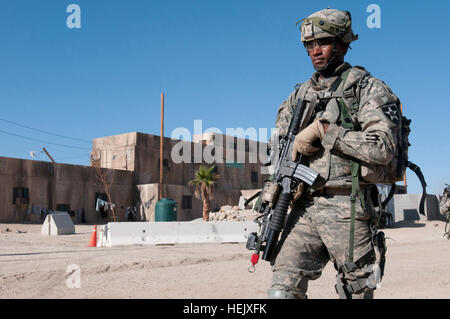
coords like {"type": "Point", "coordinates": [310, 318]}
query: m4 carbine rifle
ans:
{"type": "Point", "coordinates": [279, 191]}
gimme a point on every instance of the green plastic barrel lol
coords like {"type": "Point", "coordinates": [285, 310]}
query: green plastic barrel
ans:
{"type": "Point", "coordinates": [166, 210]}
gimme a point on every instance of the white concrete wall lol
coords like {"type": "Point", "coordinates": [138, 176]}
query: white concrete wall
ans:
{"type": "Point", "coordinates": [406, 207]}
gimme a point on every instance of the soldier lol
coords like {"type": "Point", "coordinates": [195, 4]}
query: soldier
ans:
{"type": "Point", "coordinates": [444, 207]}
{"type": "Point", "coordinates": [354, 118]}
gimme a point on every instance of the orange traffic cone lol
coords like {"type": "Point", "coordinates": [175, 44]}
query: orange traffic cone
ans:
{"type": "Point", "coordinates": [93, 241]}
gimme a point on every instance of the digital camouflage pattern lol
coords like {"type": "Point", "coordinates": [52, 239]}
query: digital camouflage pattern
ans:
{"type": "Point", "coordinates": [374, 145]}
{"type": "Point", "coordinates": [444, 208]}
{"type": "Point", "coordinates": [318, 231]}
{"type": "Point", "coordinates": [317, 228]}
{"type": "Point", "coordinates": [444, 204]}
{"type": "Point", "coordinates": [328, 23]}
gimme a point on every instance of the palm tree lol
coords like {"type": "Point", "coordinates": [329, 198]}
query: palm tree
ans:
{"type": "Point", "coordinates": [204, 181]}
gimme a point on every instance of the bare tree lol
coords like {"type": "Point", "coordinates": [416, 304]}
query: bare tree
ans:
{"type": "Point", "coordinates": [103, 176]}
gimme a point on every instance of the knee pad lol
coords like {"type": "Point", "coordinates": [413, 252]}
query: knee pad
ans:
{"type": "Point", "coordinates": [274, 293]}
{"type": "Point", "coordinates": [288, 285]}
{"type": "Point", "coordinates": [364, 295]}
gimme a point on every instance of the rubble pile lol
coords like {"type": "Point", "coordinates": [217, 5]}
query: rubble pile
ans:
{"type": "Point", "coordinates": [232, 213]}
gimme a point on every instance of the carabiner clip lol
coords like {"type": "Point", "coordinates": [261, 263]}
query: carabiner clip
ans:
{"type": "Point", "coordinates": [251, 269]}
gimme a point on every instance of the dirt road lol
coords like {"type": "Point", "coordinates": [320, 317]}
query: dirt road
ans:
{"type": "Point", "coordinates": [37, 266]}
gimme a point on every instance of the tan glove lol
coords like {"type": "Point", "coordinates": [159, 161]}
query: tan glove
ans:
{"type": "Point", "coordinates": [298, 192]}
{"type": "Point", "coordinates": [303, 141]}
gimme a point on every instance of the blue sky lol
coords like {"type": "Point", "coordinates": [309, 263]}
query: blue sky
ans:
{"type": "Point", "coordinates": [228, 63]}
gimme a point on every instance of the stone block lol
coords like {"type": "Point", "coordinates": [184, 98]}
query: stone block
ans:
{"type": "Point", "coordinates": [57, 224]}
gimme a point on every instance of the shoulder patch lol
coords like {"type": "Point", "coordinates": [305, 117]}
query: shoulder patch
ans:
{"type": "Point", "coordinates": [391, 112]}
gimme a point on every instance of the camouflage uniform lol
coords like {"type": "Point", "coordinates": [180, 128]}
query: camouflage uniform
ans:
{"type": "Point", "coordinates": [317, 228]}
{"type": "Point", "coordinates": [444, 208]}
{"type": "Point", "coordinates": [444, 204]}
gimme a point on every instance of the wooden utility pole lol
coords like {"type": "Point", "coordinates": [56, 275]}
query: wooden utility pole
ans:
{"type": "Point", "coordinates": [51, 158]}
{"type": "Point", "coordinates": [161, 148]}
{"type": "Point", "coordinates": [52, 185]}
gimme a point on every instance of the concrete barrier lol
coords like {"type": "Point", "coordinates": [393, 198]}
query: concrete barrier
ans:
{"type": "Point", "coordinates": [154, 233]}
{"type": "Point", "coordinates": [57, 224]}
{"type": "Point", "coordinates": [406, 207]}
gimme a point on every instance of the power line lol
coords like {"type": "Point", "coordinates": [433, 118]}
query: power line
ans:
{"type": "Point", "coordinates": [71, 157]}
{"type": "Point", "coordinates": [42, 131]}
{"type": "Point", "coordinates": [37, 140]}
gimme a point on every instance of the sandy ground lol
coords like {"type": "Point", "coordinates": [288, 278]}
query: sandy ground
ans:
{"type": "Point", "coordinates": [37, 266]}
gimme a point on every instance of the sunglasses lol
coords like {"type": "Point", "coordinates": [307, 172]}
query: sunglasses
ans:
{"type": "Point", "coordinates": [319, 42]}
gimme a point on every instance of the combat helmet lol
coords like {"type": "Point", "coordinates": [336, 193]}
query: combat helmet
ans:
{"type": "Point", "coordinates": [328, 23]}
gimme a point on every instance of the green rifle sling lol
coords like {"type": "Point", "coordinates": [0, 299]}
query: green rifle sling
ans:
{"type": "Point", "coordinates": [347, 122]}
